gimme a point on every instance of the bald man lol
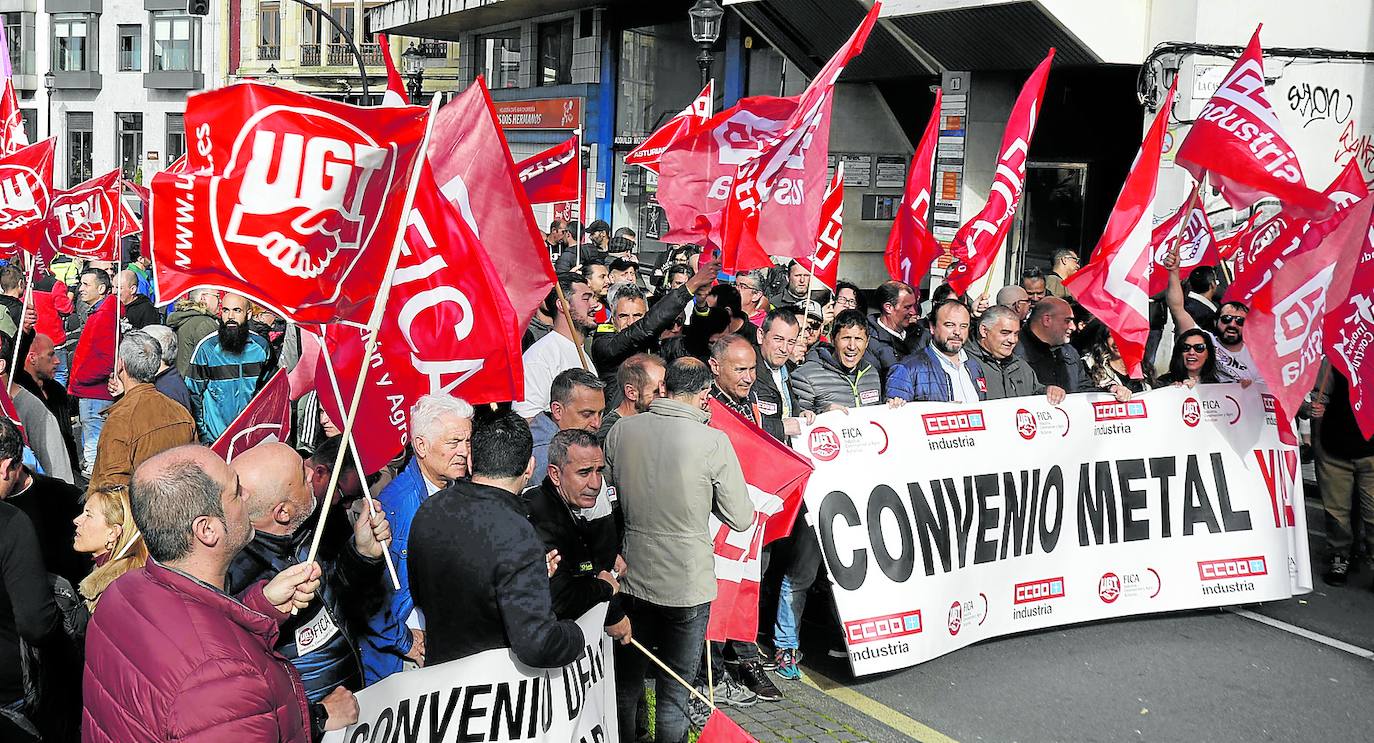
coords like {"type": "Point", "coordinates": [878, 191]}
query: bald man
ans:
{"type": "Point", "coordinates": [138, 311]}
{"type": "Point", "coordinates": [1016, 299]}
{"type": "Point", "coordinates": [1044, 344]}
{"type": "Point", "coordinates": [318, 641]}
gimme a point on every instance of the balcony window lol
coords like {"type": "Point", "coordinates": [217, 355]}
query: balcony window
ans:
{"type": "Point", "coordinates": [130, 48]}
{"type": "Point", "coordinates": [176, 41]}
{"type": "Point", "coordinates": [498, 58]}
{"type": "Point", "coordinates": [269, 30]}
{"type": "Point", "coordinates": [555, 53]}
{"type": "Point", "coordinates": [79, 141]}
{"type": "Point", "coordinates": [129, 144]}
{"type": "Point", "coordinates": [73, 42]}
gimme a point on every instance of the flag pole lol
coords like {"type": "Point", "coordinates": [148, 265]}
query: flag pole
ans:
{"type": "Point", "coordinates": [572, 328]}
{"type": "Point", "coordinates": [23, 314]}
{"type": "Point", "coordinates": [672, 673]}
{"type": "Point", "coordinates": [374, 323]}
{"type": "Point", "coordinates": [362, 473]}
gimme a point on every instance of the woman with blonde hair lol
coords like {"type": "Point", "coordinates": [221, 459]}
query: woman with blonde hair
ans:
{"type": "Point", "coordinates": [106, 531]}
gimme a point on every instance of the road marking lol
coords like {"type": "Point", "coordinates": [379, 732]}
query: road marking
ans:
{"type": "Point", "coordinates": [1331, 642]}
{"type": "Point", "coordinates": [874, 709]}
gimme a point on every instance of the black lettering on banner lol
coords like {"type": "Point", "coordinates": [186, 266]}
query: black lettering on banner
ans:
{"type": "Point", "coordinates": [896, 568]}
{"type": "Point", "coordinates": [961, 512]}
{"type": "Point", "coordinates": [1032, 509]}
{"type": "Point", "coordinates": [1014, 506]}
{"type": "Point", "coordinates": [572, 692]}
{"type": "Point", "coordinates": [1050, 537]}
{"type": "Point", "coordinates": [848, 576]}
{"type": "Point", "coordinates": [1096, 505]}
{"type": "Point", "coordinates": [360, 733]}
{"type": "Point", "coordinates": [471, 711]}
{"type": "Point", "coordinates": [1197, 507]}
{"type": "Point", "coordinates": [1231, 519]}
{"type": "Point", "coordinates": [985, 550]}
{"type": "Point", "coordinates": [1132, 500]}
{"type": "Point", "coordinates": [598, 735]}
{"type": "Point", "coordinates": [438, 733]}
{"type": "Point", "coordinates": [930, 525]}
{"type": "Point", "coordinates": [546, 711]}
{"type": "Point", "coordinates": [1163, 470]}
{"type": "Point", "coordinates": [503, 710]}
{"type": "Point", "coordinates": [387, 716]}
{"type": "Point", "coordinates": [404, 726]}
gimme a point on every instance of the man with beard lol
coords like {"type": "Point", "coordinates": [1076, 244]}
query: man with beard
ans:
{"type": "Point", "coordinates": [941, 371]}
{"type": "Point", "coordinates": [639, 381]}
{"type": "Point", "coordinates": [558, 350]}
{"type": "Point", "coordinates": [1044, 344]}
{"type": "Point", "coordinates": [1233, 358]}
{"type": "Point", "coordinates": [226, 369]}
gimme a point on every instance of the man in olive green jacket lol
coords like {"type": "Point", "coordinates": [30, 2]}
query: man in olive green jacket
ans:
{"type": "Point", "coordinates": [671, 472]}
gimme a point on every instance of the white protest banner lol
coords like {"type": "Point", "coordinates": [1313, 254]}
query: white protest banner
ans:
{"type": "Point", "coordinates": [491, 696]}
{"type": "Point", "coordinates": [945, 524]}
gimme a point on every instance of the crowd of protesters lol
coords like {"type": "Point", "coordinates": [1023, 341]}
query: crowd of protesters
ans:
{"type": "Point", "coordinates": [153, 591]}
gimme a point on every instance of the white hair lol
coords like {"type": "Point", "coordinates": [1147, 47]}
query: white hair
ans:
{"type": "Point", "coordinates": [426, 412]}
{"type": "Point", "coordinates": [167, 339]}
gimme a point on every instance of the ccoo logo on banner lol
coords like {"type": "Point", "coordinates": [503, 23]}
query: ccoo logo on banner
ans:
{"type": "Point", "coordinates": [1018, 515]}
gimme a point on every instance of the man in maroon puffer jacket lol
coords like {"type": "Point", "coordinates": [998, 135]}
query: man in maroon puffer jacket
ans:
{"type": "Point", "coordinates": [169, 655]}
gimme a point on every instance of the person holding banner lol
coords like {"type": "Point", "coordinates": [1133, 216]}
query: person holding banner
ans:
{"type": "Point", "coordinates": [1005, 373]}
{"type": "Point", "coordinates": [1044, 344]}
{"type": "Point", "coordinates": [940, 371]}
{"type": "Point", "coordinates": [839, 375]}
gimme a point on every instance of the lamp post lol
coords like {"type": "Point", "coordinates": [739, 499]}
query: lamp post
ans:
{"type": "Point", "coordinates": [49, 82]}
{"type": "Point", "coordinates": [343, 34]}
{"type": "Point", "coordinates": [414, 71]}
{"type": "Point", "coordinates": [705, 17]}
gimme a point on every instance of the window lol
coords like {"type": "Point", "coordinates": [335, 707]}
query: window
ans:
{"type": "Point", "coordinates": [498, 58]}
{"type": "Point", "coordinates": [73, 42]}
{"type": "Point", "coordinates": [176, 137]}
{"type": "Point", "coordinates": [176, 41]}
{"type": "Point", "coordinates": [79, 137]}
{"type": "Point", "coordinates": [129, 145]}
{"type": "Point", "coordinates": [345, 17]}
{"type": "Point", "coordinates": [555, 53]}
{"type": "Point", "coordinates": [130, 48]}
{"type": "Point", "coordinates": [269, 30]}
{"type": "Point", "coordinates": [14, 33]}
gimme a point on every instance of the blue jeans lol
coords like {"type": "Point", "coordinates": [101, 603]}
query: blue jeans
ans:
{"type": "Point", "coordinates": [806, 563]}
{"type": "Point", "coordinates": [676, 635]}
{"type": "Point", "coordinates": [92, 421]}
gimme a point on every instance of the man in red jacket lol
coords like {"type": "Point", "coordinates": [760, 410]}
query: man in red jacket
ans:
{"type": "Point", "coordinates": [93, 361]}
{"type": "Point", "coordinates": [169, 655]}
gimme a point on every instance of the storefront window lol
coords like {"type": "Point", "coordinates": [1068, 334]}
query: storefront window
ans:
{"type": "Point", "coordinates": [555, 53]}
{"type": "Point", "coordinates": [498, 58]}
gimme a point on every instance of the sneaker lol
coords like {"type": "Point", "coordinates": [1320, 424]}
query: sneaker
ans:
{"type": "Point", "coordinates": [1337, 571]}
{"type": "Point", "coordinates": [698, 712]}
{"type": "Point", "coordinates": [729, 693]}
{"type": "Point", "coordinates": [753, 677]}
{"type": "Point", "coordinates": [787, 660]}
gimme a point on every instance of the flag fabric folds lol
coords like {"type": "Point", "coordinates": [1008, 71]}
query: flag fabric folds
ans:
{"type": "Point", "coordinates": [691, 119]}
{"type": "Point", "coordinates": [26, 195]}
{"type": "Point", "coordinates": [824, 262]}
{"type": "Point", "coordinates": [911, 248]}
{"type": "Point", "coordinates": [267, 418]}
{"type": "Point", "coordinates": [551, 176]}
{"type": "Point", "coordinates": [84, 221]}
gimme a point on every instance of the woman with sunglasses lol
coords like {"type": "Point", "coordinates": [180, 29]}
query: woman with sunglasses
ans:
{"type": "Point", "coordinates": [1194, 361]}
{"type": "Point", "coordinates": [1233, 361]}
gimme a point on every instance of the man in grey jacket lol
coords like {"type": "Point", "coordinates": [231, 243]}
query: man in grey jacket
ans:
{"type": "Point", "coordinates": [1006, 373]}
{"type": "Point", "coordinates": [671, 472]}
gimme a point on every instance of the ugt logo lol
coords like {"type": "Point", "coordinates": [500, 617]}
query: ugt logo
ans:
{"type": "Point", "coordinates": [1192, 412]}
{"type": "Point", "coordinates": [83, 219]}
{"type": "Point", "coordinates": [23, 197]}
{"type": "Point", "coordinates": [1025, 424]}
{"type": "Point", "coordinates": [825, 445]}
{"type": "Point", "coordinates": [299, 202]}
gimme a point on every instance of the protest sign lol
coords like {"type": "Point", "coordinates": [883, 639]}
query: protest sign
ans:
{"type": "Point", "coordinates": [943, 524]}
{"type": "Point", "coordinates": [491, 696]}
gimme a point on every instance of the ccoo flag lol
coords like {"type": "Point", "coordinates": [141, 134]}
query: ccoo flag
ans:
{"type": "Point", "coordinates": [911, 249]}
{"type": "Point", "coordinates": [824, 263]}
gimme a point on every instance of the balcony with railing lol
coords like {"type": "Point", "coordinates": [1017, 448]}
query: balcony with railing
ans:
{"type": "Point", "coordinates": [269, 52]}
{"type": "Point", "coordinates": [310, 55]}
{"type": "Point", "coordinates": [432, 49]}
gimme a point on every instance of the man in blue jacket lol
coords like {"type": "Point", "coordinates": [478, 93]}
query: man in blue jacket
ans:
{"type": "Point", "coordinates": [940, 371]}
{"type": "Point", "coordinates": [226, 369]}
{"type": "Point", "coordinates": [441, 433]}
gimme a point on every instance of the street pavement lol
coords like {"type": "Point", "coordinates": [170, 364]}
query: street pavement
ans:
{"type": "Point", "coordinates": [1207, 675]}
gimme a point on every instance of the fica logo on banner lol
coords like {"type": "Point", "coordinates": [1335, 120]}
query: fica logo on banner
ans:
{"type": "Point", "coordinates": [966, 613]}
{"type": "Point", "coordinates": [868, 437]}
{"type": "Point", "coordinates": [1052, 422]}
{"type": "Point", "coordinates": [1136, 585]}
{"type": "Point", "coordinates": [1230, 575]}
{"type": "Point", "coordinates": [1195, 411]}
{"type": "Point", "coordinates": [1113, 417]}
{"type": "Point", "coordinates": [1035, 598]}
{"type": "Point", "coordinates": [951, 428]}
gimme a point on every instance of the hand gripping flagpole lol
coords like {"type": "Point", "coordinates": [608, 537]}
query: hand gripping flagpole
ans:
{"type": "Point", "coordinates": [374, 323]}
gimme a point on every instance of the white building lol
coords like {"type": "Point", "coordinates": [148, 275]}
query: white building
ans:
{"type": "Point", "coordinates": [119, 71]}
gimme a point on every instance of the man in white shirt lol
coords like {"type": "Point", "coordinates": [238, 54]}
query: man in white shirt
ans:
{"type": "Point", "coordinates": [558, 350]}
{"type": "Point", "coordinates": [1233, 358]}
{"type": "Point", "coordinates": [941, 371]}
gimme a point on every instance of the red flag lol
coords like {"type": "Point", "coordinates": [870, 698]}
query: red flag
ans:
{"type": "Point", "coordinates": [12, 135]}
{"type": "Point", "coordinates": [976, 244]}
{"type": "Point", "coordinates": [1114, 284]}
{"type": "Point", "coordinates": [911, 249]}
{"type": "Point", "coordinates": [824, 263]}
{"type": "Point", "coordinates": [690, 120]}
{"type": "Point", "coordinates": [292, 200]}
{"type": "Point", "coordinates": [721, 729]}
{"type": "Point", "coordinates": [768, 209]}
{"type": "Point", "coordinates": [84, 220]}
{"type": "Point", "coordinates": [267, 418]}
{"type": "Point", "coordinates": [1288, 313]}
{"type": "Point", "coordinates": [1349, 334]}
{"type": "Point", "coordinates": [395, 94]}
{"type": "Point", "coordinates": [551, 175]}
{"type": "Point", "coordinates": [178, 165]}
{"type": "Point", "coordinates": [25, 197]}
{"type": "Point", "coordinates": [1229, 245]}
{"type": "Point", "coordinates": [776, 476]}
{"type": "Point", "coordinates": [128, 220]}
{"type": "Point", "coordinates": [449, 329]}
{"type": "Point", "coordinates": [1237, 142]}
{"type": "Point", "coordinates": [1197, 244]}
{"type": "Point", "coordinates": [8, 410]}
{"type": "Point", "coordinates": [473, 167]}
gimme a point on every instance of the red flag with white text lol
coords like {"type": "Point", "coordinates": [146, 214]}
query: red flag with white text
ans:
{"type": "Point", "coordinates": [976, 243]}
{"type": "Point", "coordinates": [1237, 142]}
{"type": "Point", "coordinates": [472, 165]}
{"type": "Point", "coordinates": [1228, 246]}
{"type": "Point", "coordinates": [551, 176]}
{"type": "Point", "coordinates": [1285, 327]}
{"type": "Point", "coordinates": [1197, 244]}
{"type": "Point", "coordinates": [1114, 285]}
{"type": "Point", "coordinates": [688, 121]}
{"type": "Point", "coordinates": [26, 194]}
{"type": "Point", "coordinates": [1349, 334]}
{"type": "Point", "coordinates": [84, 220]}
{"type": "Point", "coordinates": [824, 263]}
{"type": "Point", "coordinates": [773, 206]}
{"type": "Point", "coordinates": [292, 200]}
{"type": "Point", "coordinates": [911, 249]}
{"type": "Point", "coordinates": [776, 477]}
{"type": "Point", "coordinates": [267, 418]}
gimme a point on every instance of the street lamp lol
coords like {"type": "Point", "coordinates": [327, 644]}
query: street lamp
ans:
{"type": "Point", "coordinates": [705, 17]}
{"type": "Point", "coordinates": [49, 82]}
{"type": "Point", "coordinates": [414, 71]}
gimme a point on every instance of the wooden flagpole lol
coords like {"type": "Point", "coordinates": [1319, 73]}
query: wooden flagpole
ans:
{"type": "Point", "coordinates": [672, 673]}
{"type": "Point", "coordinates": [379, 310]}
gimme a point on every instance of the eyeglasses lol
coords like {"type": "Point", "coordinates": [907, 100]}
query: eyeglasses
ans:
{"type": "Point", "coordinates": [1195, 347]}
{"type": "Point", "coordinates": [813, 326]}
{"type": "Point", "coordinates": [746, 286]}
{"type": "Point", "coordinates": [1237, 320]}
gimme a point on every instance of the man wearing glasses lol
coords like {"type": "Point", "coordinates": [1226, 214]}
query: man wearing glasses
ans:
{"type": "Point", "coordinates": [752, 299]}
{"type": "Point", "coordinates": [1233, 358]}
